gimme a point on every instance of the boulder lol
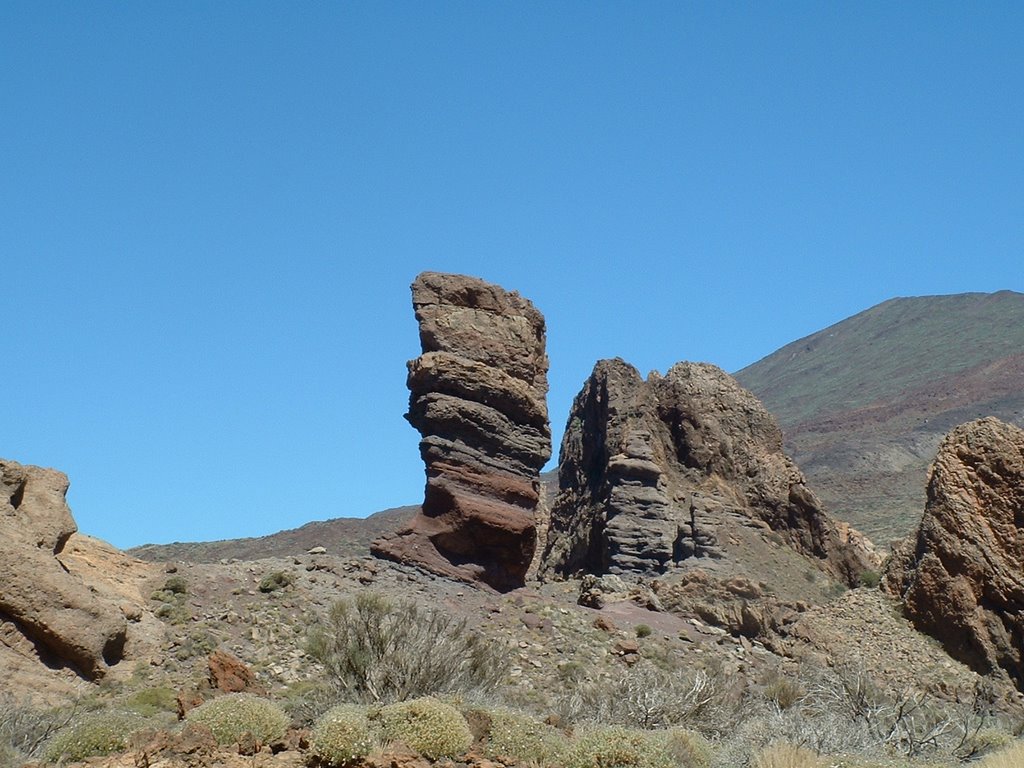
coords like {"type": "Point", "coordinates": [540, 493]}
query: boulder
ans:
{"type": "Point", "coordinates": [52, 607]}
{"type": "Point", "coordinates": [961, 577]}
{"type": "Point", "coordinates": [478, 398]}
{"type": "Point", "coordinates": [658, 472]}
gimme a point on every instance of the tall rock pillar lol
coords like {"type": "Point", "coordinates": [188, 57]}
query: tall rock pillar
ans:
{"type": "Point", "coordinates": [478, 397]}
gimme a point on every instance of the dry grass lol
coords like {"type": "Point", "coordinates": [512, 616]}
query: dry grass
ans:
{"type": "Point", "coordinates": [785, 755]}
{"type": "Point", "coordinates": [1011, 757]}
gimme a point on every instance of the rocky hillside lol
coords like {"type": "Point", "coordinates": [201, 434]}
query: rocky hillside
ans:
{"type": "Point", "coordinates": [865, 403]}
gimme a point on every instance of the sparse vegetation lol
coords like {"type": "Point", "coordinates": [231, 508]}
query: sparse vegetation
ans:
{"type": "Point", "coordinates": [375, 649]}
{"type": "Point", "coordinates": [342, 735]}
{"type": "Point", "coordinates": [428, 726]}
{"type": "Point", "coordinates": [233, 716]}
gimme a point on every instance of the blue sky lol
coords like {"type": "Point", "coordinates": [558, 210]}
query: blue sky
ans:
{"type": "Point", "coordinates": [210, 214]}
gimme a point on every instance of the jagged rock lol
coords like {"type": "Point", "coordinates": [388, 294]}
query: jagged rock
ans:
{"type": "Point", "coordinates": [658, 472]}
{"type": "Point", "coordinates": [52, 607]}
{"type": "Point", "coordinates": [478, 398]}
{"type": "Point", "coordinates": [961, 578]}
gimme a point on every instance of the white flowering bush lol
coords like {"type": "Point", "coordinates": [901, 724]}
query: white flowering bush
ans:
{"type": "Point", "coordinates": [92, 735]}
{"type": "Point", "coordinates": [523, 738]}
{"type": "Point", "coordinates": [428, 726]}
{"type": "Point", "coordinates": [617, 746]}
{"type": "Point", "coordinates": [231, 717]}
{"type": "Point", "coordinates": [342, 735]}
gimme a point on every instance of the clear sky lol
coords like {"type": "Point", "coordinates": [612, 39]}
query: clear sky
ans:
{"type": "Point", "coordinates": [210, 215]}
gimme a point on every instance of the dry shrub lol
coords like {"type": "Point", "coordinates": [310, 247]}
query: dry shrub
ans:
{"type": "Point", "coordinates": [647, 697]}
{"type": "Point", "coordinates": [25, 727]}
{"type": "Point", "coordinates": [785, 755]}
{"type": "Point", "coordinates": [375, 649]}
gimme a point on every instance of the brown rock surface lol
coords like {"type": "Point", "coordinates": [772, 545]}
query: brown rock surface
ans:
{"type": "Point", "coordinates": [478, 398]}
{"type": "Point", "coordinates": [664, 471]}
{"type": "Point", "coordinates": [53, 608]}
{"type": "Point", "coordinates": [961, 577]}
{"type": "Point", "coordinates": [229, 674]}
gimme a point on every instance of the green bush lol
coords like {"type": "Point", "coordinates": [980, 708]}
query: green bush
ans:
{"type": "Point", "coordinates": [376, 649]}
{"type": "Point", "coordinates": [94, 734]}
{"type": "Point", "coordinates": [525, 739]}
{"type": "Point", "coordinates": [616, 746]}
{"type": "Point", "coordinates": [232, 716]}
{"type": "Point", "coordinates": [342, 735]}
{"type": "Point", "coordinates": [428, 726]}
{"type": "Point", "coordinates": [176, 585]}
{"type": "Point", "coordinates": [643, 630]}
{"type": "Point", "coordinates": [688, 749]}
{"type": "Point", "coordinates": [153, 701]}
{"type": "Point", "coordinates": [275, 581]}
{"type": "Point", "coordinates": [870, 579]}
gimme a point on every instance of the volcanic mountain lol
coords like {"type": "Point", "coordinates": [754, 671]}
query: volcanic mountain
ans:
{"type": "Point", "coordinates": [865, 403]}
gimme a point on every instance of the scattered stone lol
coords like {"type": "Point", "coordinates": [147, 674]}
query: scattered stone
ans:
{"type": "Point", "coordinates": [316, 551]}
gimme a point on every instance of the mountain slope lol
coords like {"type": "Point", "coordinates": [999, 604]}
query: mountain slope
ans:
{"type": "Point", "coordinates": [864, 403]}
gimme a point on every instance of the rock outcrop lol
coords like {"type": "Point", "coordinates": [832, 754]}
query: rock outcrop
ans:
{"type": "Point", "coordinates": [661, 472]}
{"type": "Point", "coordinates": [478, 398]}
{"type": "Point", "coordinates": [39, 597]}
{"type": "Point", "coordinates": [961, 577]}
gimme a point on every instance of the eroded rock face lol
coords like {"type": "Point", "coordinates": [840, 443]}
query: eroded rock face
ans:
{"type": "Point", "coordinates": [961, 577]}
{"type": "Point", "coordinates": [478, 398]}
{"type": "Point", "coordinates": [657, 472]}
{"type": "Point", "coordinates": [52, 608]}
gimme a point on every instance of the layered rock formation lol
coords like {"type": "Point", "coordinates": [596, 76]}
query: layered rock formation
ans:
{"type": "Point", "coordinates": [478, 398]}
{"type": "Point", "coordinates": [961, 577]}
{"type": "Point", "coordinates": [67, 622]}
{"type": "Point", "coordinates": [662, 471]}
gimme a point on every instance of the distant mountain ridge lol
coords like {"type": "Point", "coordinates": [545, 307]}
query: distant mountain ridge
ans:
{"type": "Point", "coordinates": [864, 403]}
{"type": "Point", "coordinates": [340, 536]}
